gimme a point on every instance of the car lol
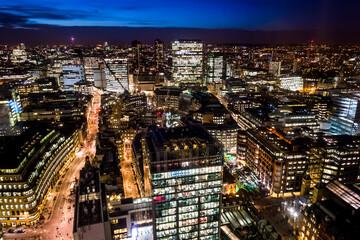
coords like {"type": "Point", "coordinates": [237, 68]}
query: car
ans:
{"type": "Point", "coordinates": [20, 231]}
{"type": "Point", "coordinates": [11, 231]}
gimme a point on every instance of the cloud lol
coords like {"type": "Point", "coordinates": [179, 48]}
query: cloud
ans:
{"type": "Point", "coordinates": [30, 16]}
{"type": "Point", "coordinates": [12, 20]}
{"type": "Point", "coordinates": [21, 16]}
{"type": "Point", "coordinates": [43, 12]}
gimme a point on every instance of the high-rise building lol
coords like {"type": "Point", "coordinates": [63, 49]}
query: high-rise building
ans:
{"type": "Point", "coordinates": [292, 83]}
{"type": "Point", "coordinates": [117, 78]}
{"type": "Point", "coordinates": [91, 64]}
{"type": "Point", "coordinates": [167, 97]}
{"type": "Point", "coordinates": [187, 62]}
{"type": "Point", "coordinates": [340, 158]}
{"type": "Point", "coordinates": [345, 116]}
{"type": "Point", "coordinates": [216, 68]}
{"type": "Point", "coordinates": [100, 77]}
{"type": "Point", "coordinates": [159, 52]}
{"type": "Point", "coordinates": [186, 166]}
{"type": "Point", "coordinates": [275, 68]}
{"type": "Point", "coordinates": [136, 51]}
{"type": "Point", "coordinates": [71, 74]}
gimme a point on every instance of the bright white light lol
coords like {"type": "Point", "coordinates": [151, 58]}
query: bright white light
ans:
{"type": "Point", "coordinates": [291, 210]}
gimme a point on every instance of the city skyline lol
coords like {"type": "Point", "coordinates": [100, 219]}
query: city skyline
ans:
{"type": "Point", "coordinates": [178, 120]}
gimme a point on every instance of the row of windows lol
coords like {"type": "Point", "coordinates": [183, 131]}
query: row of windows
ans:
{"type": "Point", "coordinates": [186, 180]}
{"type": "Point", "coordinates": [189, 172]}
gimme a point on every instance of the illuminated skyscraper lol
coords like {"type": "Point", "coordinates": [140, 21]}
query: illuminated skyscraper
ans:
{"type": "Point", "coordinates": [216, 69]}
{"type": "Point", "coordinates": [345, 116]}
{"type": "Point", "coordinates": [187, 62]}
{"type": "Point", "coordinates": [117, 79]}
{"type": "Point", "coordinates": [136, 49]}
{"type": "Point", "coordinates": [186, 166]}
{"type": "Point", "coordinates": [159, 52]}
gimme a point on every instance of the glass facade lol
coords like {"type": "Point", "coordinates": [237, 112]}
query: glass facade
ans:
{"type": "Point", "coordinates": [187, 61]}
{"type": "Point", "coordinates": [186, 166]}
{"type": "Point", "coordinates": [216, 68]}
{"type": "Point", "coordinates": [345, 116]}
{"type": "Point", "coordinates": [117, 79]}
{"type": "Point", "coordinates": [187, 203]}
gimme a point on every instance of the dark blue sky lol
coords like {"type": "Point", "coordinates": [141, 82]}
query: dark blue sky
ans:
{"type": "Point", "coordinates": [243, 14]}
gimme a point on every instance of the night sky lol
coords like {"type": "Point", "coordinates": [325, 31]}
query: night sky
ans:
{"type": "Point", "coordinates": [265, 15]}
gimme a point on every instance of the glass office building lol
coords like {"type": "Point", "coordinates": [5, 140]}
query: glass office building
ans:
{"type": "Point", "coordinates": [187, 62]}
{"type": "Point", "coordinates": [216, 68]}
{"type": "Point", "coordinates": [345, 116]}
{"type": "Point", "coordinates": [117, 78]}
{"type": "Point", "coordinates": [186, 167]}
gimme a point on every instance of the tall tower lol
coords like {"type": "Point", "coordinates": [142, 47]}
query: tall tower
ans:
{"type": "Point", "coordinates": [186, 166]}
{"type": "Point", "coordinates": [187, 62]}
{"type": "Point", "coordinates": [215, 67]}
{"type": "Point", "coordinates": [72, 40]}
{"type": "Point", "coordinates": [159, 52]}
{"type": "Point", "coordinates": [117, 77]}
{"type": "Point", "coordinates": [136, 49]}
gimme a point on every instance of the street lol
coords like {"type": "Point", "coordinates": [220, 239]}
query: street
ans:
{"type": "Point", "coordinates": [129, 181]}
{"type": "Point", "coordinates": [59, 223]}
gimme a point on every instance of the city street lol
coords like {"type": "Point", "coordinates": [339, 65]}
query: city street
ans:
{"type": "Point", "coordinates": [129, 182]}
{"type": "Point", "coordinates": [59, 223]}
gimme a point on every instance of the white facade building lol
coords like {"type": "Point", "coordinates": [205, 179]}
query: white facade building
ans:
{"type": "Point", "coordinates": [117, 77]}
{"type": "Point", "coordinates": [187, 62]}
{"type": "Point", "coordinates": [71, 74]}
{"type": "Point", "coordinates": [292, 83]}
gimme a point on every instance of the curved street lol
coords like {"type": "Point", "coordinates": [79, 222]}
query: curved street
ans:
{"type": "Point", "coordinates": [59, 223]}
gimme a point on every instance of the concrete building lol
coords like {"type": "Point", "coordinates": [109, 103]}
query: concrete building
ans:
{"type": "Point", "coordinates": [159, 53]}
{"type": "Point", "coordinates": [275, 68]}
{"type": "Point", "coordinates": [84, 88]}
{"type": "Point", "coordinates": [91, 219]}
{"type": "Point", "coordinates": [131, 219]}
{"type": "Point", "coordinates": [279, 163]}
{"type": "Point", "coordinates": [292, 83]}
{"type": "Point", "coordinates": [334, 217]}
{"type": "Point", "coordinates": [71, 74]}
{"type": "Point", "coordinates": [100, 78]}
{"type": "Point", "coordinates": [30, 164]}
{"type": "Point", "coordinates": [218, 121]}
{"type": "Point", "coordinates": [167, 97]}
